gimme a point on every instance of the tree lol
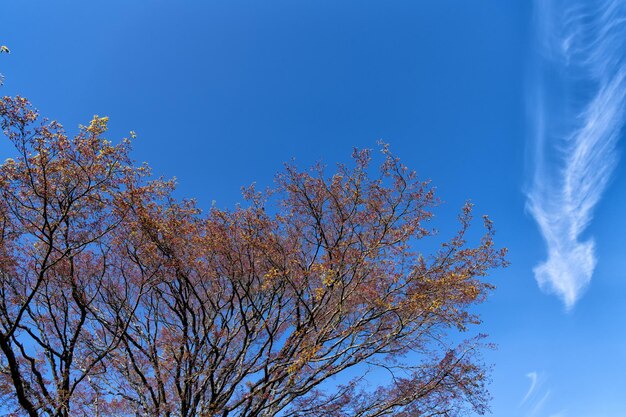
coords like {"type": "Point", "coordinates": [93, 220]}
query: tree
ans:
{"type": "Point", "coordinates": [63, 290]}
{"type": "Point", "coordinates": [118, 299]}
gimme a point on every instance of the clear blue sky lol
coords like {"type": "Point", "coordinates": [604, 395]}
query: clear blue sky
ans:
{"type": "Point", "coordinates": [221, 93]}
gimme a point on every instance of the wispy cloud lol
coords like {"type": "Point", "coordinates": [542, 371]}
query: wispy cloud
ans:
{"type": "Point", "coordinates": [535, 402]}
{"type": "Point", "coordinates": [577, 107]}
{"type": "Point", "coordinates": [533, 385]}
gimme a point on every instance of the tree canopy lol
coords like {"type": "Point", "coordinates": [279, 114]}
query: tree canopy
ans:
{"type": "Point", "coordinates": [311, 299]}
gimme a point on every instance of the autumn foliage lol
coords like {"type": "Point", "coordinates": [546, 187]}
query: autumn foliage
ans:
{"type": "Point", "coordinates": [312, 299]}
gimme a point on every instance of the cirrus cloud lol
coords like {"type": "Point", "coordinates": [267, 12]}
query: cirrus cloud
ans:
{"type": "Point", "coordinates": [577, 106]}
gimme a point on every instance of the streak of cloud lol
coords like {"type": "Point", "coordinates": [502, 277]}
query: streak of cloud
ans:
{"type": "Point", "coordinates": [537, 398]}
{"type": "Point", "coordinates": [577, 105]}
{"type": "Point", "coordinates": [533, 384]}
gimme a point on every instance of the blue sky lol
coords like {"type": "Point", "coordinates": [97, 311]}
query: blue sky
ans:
{"type": "Point", "coordinates": [222, 93]}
